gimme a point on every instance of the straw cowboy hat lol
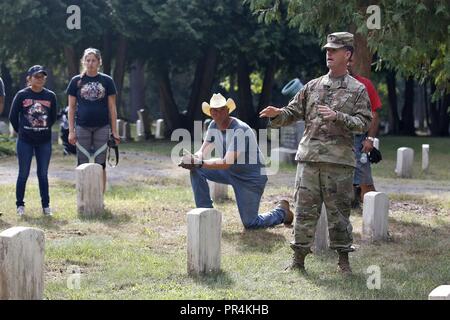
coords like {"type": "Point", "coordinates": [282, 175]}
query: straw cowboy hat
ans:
{"type": "Point", "coordinates": [218, 101]}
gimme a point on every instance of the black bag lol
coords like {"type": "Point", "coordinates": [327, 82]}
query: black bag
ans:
{"type": "Point", "coordinates": [375, 156]}
{"type": "Point", "coordinates": [112, 145]}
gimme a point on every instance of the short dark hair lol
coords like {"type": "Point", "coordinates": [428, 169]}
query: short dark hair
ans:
{"type": "Point", "coordinates": [351, 49]}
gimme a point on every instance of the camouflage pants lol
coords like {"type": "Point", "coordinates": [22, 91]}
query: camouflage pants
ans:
{"type": "Point", "coordinates": [323, 182]}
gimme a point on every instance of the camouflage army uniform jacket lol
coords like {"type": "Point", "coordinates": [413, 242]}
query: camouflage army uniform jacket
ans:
{"type": "Point", "coordinates": [328, 141]}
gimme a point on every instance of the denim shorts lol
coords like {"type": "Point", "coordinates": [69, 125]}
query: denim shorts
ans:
{"type": "Point", "coordinates": [363, 172]}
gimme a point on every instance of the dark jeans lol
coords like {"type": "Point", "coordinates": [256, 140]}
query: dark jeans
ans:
{"type": "Point", "coordinates": [247, 199]}
{"type": "Point", "coordinates": [25, 153]}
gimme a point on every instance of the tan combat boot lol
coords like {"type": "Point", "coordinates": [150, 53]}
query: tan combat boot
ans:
{"type": "Point", "coordinates": [298, 260]}
{"type": "Point", "coordinates": [289, 215]}
{"type": "Point", "coordinates": [344, 264]}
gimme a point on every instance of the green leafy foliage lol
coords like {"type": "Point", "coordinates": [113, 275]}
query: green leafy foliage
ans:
{"type": "Point", "coordinates": [414, 38]}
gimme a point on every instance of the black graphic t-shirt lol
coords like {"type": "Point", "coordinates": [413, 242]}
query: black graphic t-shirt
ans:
{"type": "Point", "coordinates": [92, 98]}
{"type": "Point", "coordinates": [33, 114]}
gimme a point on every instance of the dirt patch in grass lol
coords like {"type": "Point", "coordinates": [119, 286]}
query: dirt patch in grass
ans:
{"type": "Point", "coordinates": [423, 209]}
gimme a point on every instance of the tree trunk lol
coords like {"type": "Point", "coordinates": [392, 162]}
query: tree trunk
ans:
{"type": "Point", "coordinates": [73, 65]}
{"type": "Point", "coordinates": [427, 104]}
{"type": "Point", "coordinates": [444, 116]}
{"type": "Point", "coordinates": [119, 74]}
{"type": "Point", "coordinates": [266, 94]}
{"type": "Point", "coordinates": [245, 110]}
{"type": "Point", "coordinates": [420, 106]}
{"type": "Point", "coordinates": [202, 85]}
{"type": "Point", "coordinates": [167, 103]}
{"type": "Point", "coordinates": [50, 82]}
{"type": "Point", "coordinates": [9, 90]}
{"type": "Point", "coordinates": [407, 123]}
{"type": "Point", "coordinates": [107, 53]}
{"type": "Point", "coordinates": [137, 89]}
{"type": "Point", "coordinates": [232, 85]}
{"type": "Point", "coordinates": [363, 61]}
{"type": "Point", "coordinates": [434, 113]}
{"type": "Point", "coordinates": [394, 120]}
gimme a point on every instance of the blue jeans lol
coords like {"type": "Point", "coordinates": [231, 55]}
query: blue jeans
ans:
{"type": "Point", "coordinates": [25, 153]}
{"type": "Point", "coordinates": [247, 198]}
{"type": "Point", "coordinates": [363, 171]}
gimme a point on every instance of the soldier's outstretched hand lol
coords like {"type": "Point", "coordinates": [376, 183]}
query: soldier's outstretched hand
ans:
{"type": "Point", "coordinates": [269, 112]}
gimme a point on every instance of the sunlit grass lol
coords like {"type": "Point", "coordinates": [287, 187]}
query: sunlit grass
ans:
{"type": "Point", "coordinates": [137, 248]}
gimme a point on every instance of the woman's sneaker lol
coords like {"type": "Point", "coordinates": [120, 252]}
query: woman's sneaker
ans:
{"type": "Point", "coordinates": [47, 211]}
{"type": "Point", "coordinates": [20, 211]}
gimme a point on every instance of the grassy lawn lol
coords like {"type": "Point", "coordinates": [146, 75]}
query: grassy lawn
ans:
{"type": "Point", "coordinates": [439, 158]}
{"type": "Point", "coordinates": [7, 146]}
{"type": "Point", "coordinates": [137, 250]}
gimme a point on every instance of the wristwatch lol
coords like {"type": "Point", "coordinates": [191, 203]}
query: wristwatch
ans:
{"type": "Point", "coordinates": [371, 139]}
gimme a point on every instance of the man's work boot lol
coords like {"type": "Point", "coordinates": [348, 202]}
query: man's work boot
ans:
{"type": "Point", "coordinates": [356, 196]}
{"type": "Point", "coordinates": [289, 215]}
{"type": "Point", "coordinates": [366, 188]}
{"type": "Point", "coordinates": [298, 260]}
{"type": "Point", "coordinates": [344, 264]}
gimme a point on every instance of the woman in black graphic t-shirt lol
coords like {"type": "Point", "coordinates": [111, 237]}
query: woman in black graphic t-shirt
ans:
{"type": "Point", "coordinates": [33, 112]}
{"type": "Point", "coordinates": [92, 111]}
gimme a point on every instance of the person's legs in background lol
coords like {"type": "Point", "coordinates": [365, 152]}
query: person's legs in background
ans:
{"type": "Point", "coordinates": [43, 154]}
{"type": "Point", "coordinates": [100, 138]}
{"type": "Point", "coordinates": [24, 157]}
{"type": "Point", "coordinates": [362, 179]}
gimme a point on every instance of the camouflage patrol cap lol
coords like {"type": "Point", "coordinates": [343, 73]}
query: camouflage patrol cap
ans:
{"type": "Point", "coordinates": [339, 40]}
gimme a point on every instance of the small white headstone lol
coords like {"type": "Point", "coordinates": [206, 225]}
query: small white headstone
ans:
{"type": "Point", "coordinates": [144, 116]}
{"type": "Point", "coordinates": [126, 133]}
{"type": "Point", "coordinates": [376, 143]}
{"type": "Point", "coordinates": [159, 134]}
{"type": "Point", "coordinates": [4, 128]}
{"type": "Point", "coordinates": [440, 293]}
{"type": "Point", "coordinates": [425, 156]}
{"type": "Point", "coordinates": [203, 240]}
{"type": "Point", "coordinates": [22, 264]}
{"type": "Point", "coordinates": [140, 133]}
{"type": "Point", "coordinates": [12, 133]}
{"type": "Point", "coordinates": [405, 159]}
{"type": "Point", "coordinates": [119, 126]}
{"type": "Point", "coordinates": [89, 181]}
{"type": "Point", "coordinates": [321, 238]}
{"type": "Point", "coordinates": [218, 191]}
{"type": "Point", "coordinates": [375, 216]}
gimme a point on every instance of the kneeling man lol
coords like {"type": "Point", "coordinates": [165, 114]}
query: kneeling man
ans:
{"type": "Point", "coordinates": [239, 164]}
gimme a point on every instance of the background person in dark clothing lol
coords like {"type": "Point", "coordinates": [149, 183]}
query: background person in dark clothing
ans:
{"type": "Point", "coordinates": [33, 113]}
{"type": "Point", "coordinates": [92, 107]}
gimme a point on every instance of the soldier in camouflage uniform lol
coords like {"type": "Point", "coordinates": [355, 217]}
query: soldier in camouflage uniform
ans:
{"type": "Point", "coordinates": [334, 107]}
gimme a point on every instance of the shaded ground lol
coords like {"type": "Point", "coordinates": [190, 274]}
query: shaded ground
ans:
{"type": "Point", "coordinates": [144, 166]}
{"type": "Point", "coordinates": [132, 166]}
{"type": "Point", "coordinates": [137, 249]}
